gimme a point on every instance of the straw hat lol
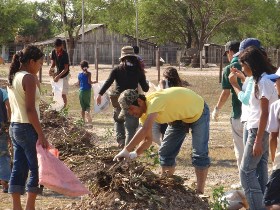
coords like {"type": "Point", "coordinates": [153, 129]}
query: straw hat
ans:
{"type": "Point", "coordinates": [127, 51]}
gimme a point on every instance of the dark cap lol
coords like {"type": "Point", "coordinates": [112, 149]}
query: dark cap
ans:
{"type": "Point", "coordinates": [126, 99]}
{"type": "Point", "coordinates": [247, 43]}
{"type": "Point", "coordinates": [231, 45]}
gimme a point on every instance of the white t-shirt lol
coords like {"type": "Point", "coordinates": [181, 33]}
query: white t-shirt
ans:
{"type": "Point", "coordinates": [273, 126]}
{"type": "Point", "coordinates": [266, 90]}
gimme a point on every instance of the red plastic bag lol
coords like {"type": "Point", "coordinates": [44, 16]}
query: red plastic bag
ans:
{"type": "Point", "coordinates": [55, 175]}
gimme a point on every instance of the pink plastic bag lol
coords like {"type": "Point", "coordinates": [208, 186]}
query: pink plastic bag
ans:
{"type": "Point", "coordinates": [56, 176]}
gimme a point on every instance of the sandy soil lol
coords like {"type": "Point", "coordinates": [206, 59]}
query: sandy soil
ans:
{"type": "Point", "coordinates": [223, 170]}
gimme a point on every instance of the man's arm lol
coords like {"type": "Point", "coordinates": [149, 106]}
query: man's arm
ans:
{"type": "Point", "coordinates": [223, 98]}
{"type": "Point", "coordinates": [65, 70]}
{"type": "Point", "coordinates": [52, 63]}
{"type": "Point", "coordinates": [143, 137]}
{"type": "Point", "coordinates": [273, 144]}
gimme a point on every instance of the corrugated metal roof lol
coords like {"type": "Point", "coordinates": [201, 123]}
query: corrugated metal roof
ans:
{"type": "Point", "coordinates": [87, 28]}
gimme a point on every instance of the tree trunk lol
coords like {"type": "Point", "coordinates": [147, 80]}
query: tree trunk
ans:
{"type": "Point", "coordinates": [195, 61]}
{"type": "Point", "coordinates": [71, 46]}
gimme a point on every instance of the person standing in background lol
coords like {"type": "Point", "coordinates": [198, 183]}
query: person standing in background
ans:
{"type": "Point", "coordinates": [231, 48]}
{"type": "Point", "coordinates": [60, 60]}
{"type": "Point", "coordinates": [171, 78]}
{"type": "Point", "coordinates": [126, 76]}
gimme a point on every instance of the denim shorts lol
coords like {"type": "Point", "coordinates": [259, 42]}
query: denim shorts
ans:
{"type": "Point", "coordinates": [272, 191]}
{"type": "Point", "coordinates": [24, 138]}
{"type": "Point", "coordinates": [5, 159]}
{"type": "Point", "coordinates": [175, 135]}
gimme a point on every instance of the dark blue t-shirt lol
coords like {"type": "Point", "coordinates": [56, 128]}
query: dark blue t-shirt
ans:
{"type": "Point", "coordinates": [83, 79]}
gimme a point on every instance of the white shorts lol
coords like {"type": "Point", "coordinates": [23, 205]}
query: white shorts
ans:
{"type": "Point", "coordinates": [65, 88]}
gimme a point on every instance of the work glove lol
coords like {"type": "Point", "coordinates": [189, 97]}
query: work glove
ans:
{"type": "Point", "coordinates": [133, 155]}
{"type": "Point", "coordinates": [215, 114]}
{"type": "Point", "coordinates": [126, 155]}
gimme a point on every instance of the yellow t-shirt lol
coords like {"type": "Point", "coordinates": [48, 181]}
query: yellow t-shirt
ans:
{"type": "Point", "coordinates": [17, 99]}
{"type": "Point", "coordinates": [176, 103]}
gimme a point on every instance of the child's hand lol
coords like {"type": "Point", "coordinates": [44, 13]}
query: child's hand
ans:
{"type": "Point", "coordinates": [43, 141]}
{"type": "Point", "coordinates": [257, 148]}
{"type": "Point", "coordinates": [238, 73]}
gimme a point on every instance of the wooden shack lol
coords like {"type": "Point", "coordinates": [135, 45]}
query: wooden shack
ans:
{"type": "Point", "coordinates": [100, 41]}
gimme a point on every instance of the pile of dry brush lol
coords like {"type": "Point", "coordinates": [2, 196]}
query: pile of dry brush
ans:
{"type": "Point", "coordinates": [114, 185]}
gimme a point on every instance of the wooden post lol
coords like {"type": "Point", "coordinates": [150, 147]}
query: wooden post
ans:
{"type": "Point", "coordinates": [96, 61]}
{"type": "Point", "coordinates": [200, 59]}
{"type": "Point", "coordinates": [221, 65]}
{"type": "Point", "coordinates": [113, 52]}
{"type": "Point", "coordinates": [278, 58]}
{"type": "Point", "coordinates": [48, 55]}
{"type": "Point", "coordinates": [158, 62]}
{"type": "Point", "coordinates": [40, 75]}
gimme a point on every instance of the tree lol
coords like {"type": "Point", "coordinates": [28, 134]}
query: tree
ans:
{"type": "Point", "coordinates": [190, 22]}
{"type": "Point", "coordinates": [37, 25]}
{"type": "Point", "coordinates": [117, 15]}
{"type": "Point", "coordinates": [69, 12]}
{"type": "Point", "coordinates": [12, 14]}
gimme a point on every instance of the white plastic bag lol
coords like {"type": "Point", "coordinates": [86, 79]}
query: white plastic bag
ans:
{"type": "Point", "coordinates": [153, 87]}
{"type": "Point", "coordinates": [236, 199]}
{"type": "Point", "coordinates": [105, 99]}
{"type": "Point", "coordinates": [58, 102]}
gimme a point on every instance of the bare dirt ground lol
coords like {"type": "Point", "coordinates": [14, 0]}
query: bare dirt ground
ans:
{"type": "Point", "coordinates": [223, 170]}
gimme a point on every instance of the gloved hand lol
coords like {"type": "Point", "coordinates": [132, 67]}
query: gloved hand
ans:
{"type": "Point", "coordinates": [122, 154]}
{"type": "Point", "coordinates": [215, 114]}
{"type": "Point", "coordinates": [133, 155]}
{"type": "Point", "coordinates": [126, 155]}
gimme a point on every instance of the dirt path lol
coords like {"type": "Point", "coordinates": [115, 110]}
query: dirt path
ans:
{"type": "Point", "coordinates": [223, 170]}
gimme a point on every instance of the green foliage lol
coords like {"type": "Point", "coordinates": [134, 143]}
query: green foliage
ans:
{"type": "Point", "coordinates": [107, 136]}
{"type": "Point", "coordinates": [188, 22]}
{"type": "Point", "coordinates": [37, 24]}
{"type": "Point", "coordinates": [219, 203]}
{"type": "Point", "coordinates": [12, 13]}
{"type": "Point", "coordinates": [80, 122]}
{"type": "Point", "coordinates": [151, 155]}
{"type": "Point", "coordinates": [117, 15]}
{"type": "Point", "coordinates": [64, 112]}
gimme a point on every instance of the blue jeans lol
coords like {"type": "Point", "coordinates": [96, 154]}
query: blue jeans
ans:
{"type": "Point", "coordinates": [5, 159]}
{"type": "Point", "coordinates": [156, 133]}
{"type": "Point", "coordinates": [261, 166]}
{"type": "Point", "coordinates": [24, 138]}
{"type": "Point", "coordinates": [254, 171]}
{"type": "Point", "coordinates": [125, 128]}
{"type": "Point", "coordinates": [175, 135]}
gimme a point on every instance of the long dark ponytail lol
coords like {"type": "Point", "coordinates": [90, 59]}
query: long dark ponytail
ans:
{"type": "Point", "coordinates": [22, 57]}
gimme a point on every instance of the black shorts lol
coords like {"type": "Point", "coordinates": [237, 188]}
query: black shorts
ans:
{"type": "Point", "coordinates": [272, 190]}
